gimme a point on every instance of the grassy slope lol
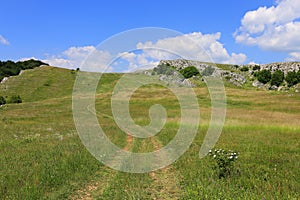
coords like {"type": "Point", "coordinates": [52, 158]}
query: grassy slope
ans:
{"type": "Point", "coordinates": [42, 157]}
{"type": "Point", "coordinates": [39, 84]}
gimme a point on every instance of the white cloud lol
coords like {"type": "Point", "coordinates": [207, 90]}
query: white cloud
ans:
{"type": "Point", "coordinates": [275, 28]}
{"type": "Point", "coordinates": [76, 57]}
{"type": "Point", "coordinates": [194, 46]}
{"type": "Point", "coordinates": [293, 56]}
{"type": "Point", "coordinates": [28, 58]}
{"type": "Point", "coordinates": [3, 40]}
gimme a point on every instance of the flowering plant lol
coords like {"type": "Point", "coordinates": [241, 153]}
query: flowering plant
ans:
{"type": "Point", "coordinates": [224, 160]}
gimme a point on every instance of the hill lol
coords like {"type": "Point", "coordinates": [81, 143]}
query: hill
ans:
{"type": "Point", "coordinates": [39, 84]}
{"type": "Point", "coordinates": [245, 75]}
{"type": "Point", "coordinates": [42, 157]}
{"type": "Point", "coordinates": [10, 68]}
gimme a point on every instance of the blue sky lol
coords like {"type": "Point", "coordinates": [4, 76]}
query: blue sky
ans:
{"type": "Point", "coordinates": [57, 31]}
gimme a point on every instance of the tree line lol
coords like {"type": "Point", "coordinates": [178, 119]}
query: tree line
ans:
{"type": "Point", "coordinates": [10, 68]}
{"type": "Point", "coordinates": [265, 76]}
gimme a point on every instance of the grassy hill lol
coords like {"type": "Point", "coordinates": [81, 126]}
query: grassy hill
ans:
{"type": "Point", "coordinates": [42, 157]}
{"type": "Point", "coordinates": [40, 84]}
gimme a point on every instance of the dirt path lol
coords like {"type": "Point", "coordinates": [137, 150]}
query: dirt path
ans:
{"type": "Point", "coordinates": [165, 181]}
{"type": "Point", "coordinates": [102, 179]}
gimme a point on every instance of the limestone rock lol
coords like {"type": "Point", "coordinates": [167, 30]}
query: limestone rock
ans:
{"type": "Point", "coordinates": [257, 84]}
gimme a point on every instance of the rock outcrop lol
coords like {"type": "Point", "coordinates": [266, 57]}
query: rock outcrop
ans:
{"type": "Point", "coordinates": [235, 74]}
{"type": "Point", "coordinates": [235, 78]}
{"type": "Point", "coordinates": [283, 66]}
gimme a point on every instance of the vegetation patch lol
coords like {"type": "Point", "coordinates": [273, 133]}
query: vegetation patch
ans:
{"type": "Point", "coordinates": [42, 157]}
{"type": "Point", "coordinates": [189, 72]}
{"type": "Point", "coordinates": [10, 68]}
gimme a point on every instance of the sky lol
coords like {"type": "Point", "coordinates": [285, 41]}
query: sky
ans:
{"type": "Point", "coordinates": [63, 33]}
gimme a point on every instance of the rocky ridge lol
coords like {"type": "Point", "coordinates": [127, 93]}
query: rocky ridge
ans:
{"type": "Point", "coordinates": [232, 73]}
{"type": "Point", "coordinates": [283, 66]}
{"type": "Point", "coordinates": [232, 77]}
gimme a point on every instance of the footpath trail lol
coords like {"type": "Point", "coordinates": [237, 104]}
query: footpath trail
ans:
{"type": "Point", "coordinates": [110, 184]}
{"type": "Point", "coordinates": [102, 180]}
{"type": "Point", "coordinates": [165, 181]}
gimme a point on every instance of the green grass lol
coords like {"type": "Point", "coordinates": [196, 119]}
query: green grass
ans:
{"type": "Point", "coordinates": [40, 84]}
{"type": "Point", "coordinates": [42, 157]}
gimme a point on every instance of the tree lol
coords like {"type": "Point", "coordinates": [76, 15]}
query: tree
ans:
{"type": "Point", "coordinates": [291, 78]}
{"type": "Point", "coordinates": [277, 78]}
{"type": "Point", "coordinates": [256, 67]}
{"type": "Point", "coordinates": [190, 71]}
{"type": "Point", "coordinates": [298, 76]}
{"type": "Point", "coordinates": [264, 76]}
{"type": "Point", "coordinates": [10, 68]}
{"type": "Point", "coordinates": [244, 69]}
{"type": "Point", "coordinates": [15, 99]}
{"type": "Point", "coordinates": [2, 100]}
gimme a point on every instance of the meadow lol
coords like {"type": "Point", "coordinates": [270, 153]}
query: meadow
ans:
{"type": "Point", "coordinates": [42, 157]}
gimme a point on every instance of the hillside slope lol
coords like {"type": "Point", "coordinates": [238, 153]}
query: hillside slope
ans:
{"type": "Point", "coordinates": [39, 84]}
{"type": "Point", "coordinates": [42, 157]}
{"type": "Point", "coordinates": [242, 75]}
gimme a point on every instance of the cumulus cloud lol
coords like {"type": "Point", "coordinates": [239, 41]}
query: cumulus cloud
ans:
{"type": "Point", "coordinates": [77, 57]}
{"type": "Point", "coordinates": [275, 28]}
{"type": "Point", "coordinates": [3, 40]}
{"type": "Point", "coordinates": [293, 56]}
{"type": "Point", "coordinates": [134, 61]}
{"type": "Point", "coordinates": [194, 46]}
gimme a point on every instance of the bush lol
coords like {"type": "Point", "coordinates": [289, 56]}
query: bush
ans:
{"type": "Point", "coordinates": [292, 78]}
{"type": "Point", "coordinates": [244, 69]}
{"type": "Point", "coordinates": [164, 69]}
{"type": "Point", "coordinates": [2, 100]}
{"type": "Point", "coordinates": [264, 76]}
{"type": "Point", "coordinates": [224, 161]}
{"type": "Point", "coordinates": [190, 71]}
{"type": "Point", "coordinates": [208, 71]}
{"type": "Point", "coordinates": [277, 78]}
{"type": "Point", "coordinates": [298, 76]}
{"type": "Point", "coordinates": [15, 99]}
{"type": "Point", "coordinates": [256, 67]}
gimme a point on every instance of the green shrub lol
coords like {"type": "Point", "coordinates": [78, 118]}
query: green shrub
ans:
{"type": "Point", "coordinates": [277, 78]}
{"type": "Point", "coordinates": [2, 100]}
{"type": "Point", "coordinates": [256, 67]}
{"type": "Point", "coordinates": [224, 161]}
{"type": "Point", "coordinates": [244, 69]}
{"type": "Point", "coordinates": [264, 76]}
{"type": "Point", "coordinates": [164, 69]}
{"type": "Point", "coordinates": [190, 71]}
{"type": "Point", "coordinates": [291, 78]}
{"type": "Point", "coordinates": [298, 76]}
{"type": "Point", "coordinates": [15, 99]}
{"type": "Point", "coordinates": [208, 71]}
